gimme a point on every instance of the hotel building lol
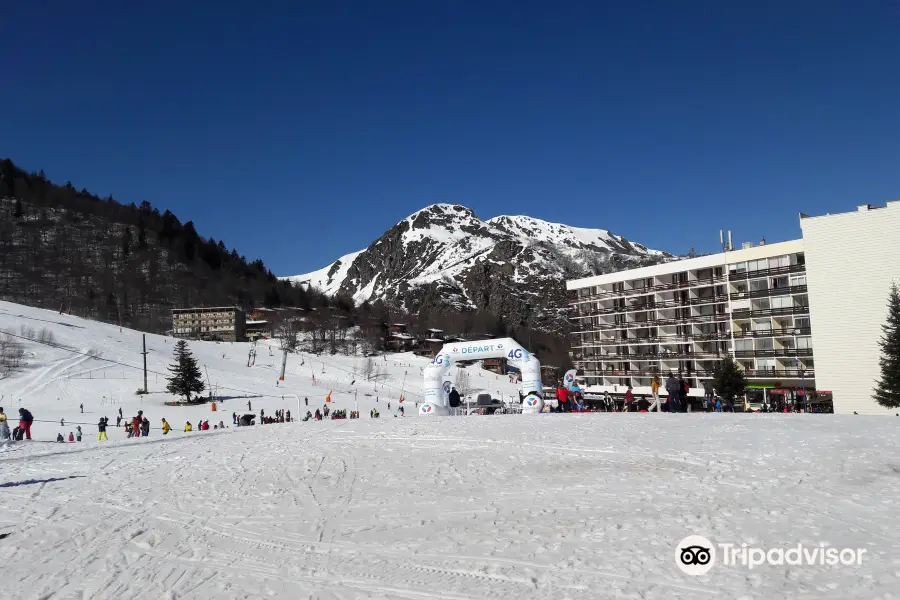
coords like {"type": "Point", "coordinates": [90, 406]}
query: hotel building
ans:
{"type": "Point", "coordinates": [683, 317]}
{"type": "Point", "coordinates": [225, 323]}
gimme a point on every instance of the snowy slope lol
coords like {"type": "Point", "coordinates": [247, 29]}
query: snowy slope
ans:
{"type": "Point", "coordinates": [328, 279]}
{"type": "Point", "coordinates": [99, 365]}
{"type": "Point", "coordinates": [550, 507]}
{"type": "Point", "coordinates": [446, 255]}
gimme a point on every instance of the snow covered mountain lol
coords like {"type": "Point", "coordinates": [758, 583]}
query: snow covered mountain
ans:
{"type": "Point", "coordinates": [445, 256]}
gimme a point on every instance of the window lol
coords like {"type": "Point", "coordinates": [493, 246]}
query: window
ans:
{"type": "Point", "coordinates": [765, 364]}
{"type": "Point", "coordinates": [743, 345]}
{"type": "Point", "coordinates": [757, 265]}
{"type": "Point", "coordinates": [781, 302]}
{"type": "Point", "coordinates": [801, 322]}
{"type": "Point", "coordinates": [759, 285]}
{"type": "Point", "coordinates": [764, 344]}
{"type": "Point", "coordinates": [804, 342]}
{"type": "Point", "coordinates": [798, 280]}
{"type": "Point", "coordinates": [779, 261]}
{"type": "Point", "coordinates": [762, 325]}
{"type": "Point", "coordinates": [740, 267]}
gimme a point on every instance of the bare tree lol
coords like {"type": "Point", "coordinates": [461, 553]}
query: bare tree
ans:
{"type": "Point", "coordinates": [463, 382]}
{"type": "Point", "coordinates": [367, 368]}
{"type": "Point", "coordinates": [11, 354]}
{"type": "Point", "coordinates": [289, 333]}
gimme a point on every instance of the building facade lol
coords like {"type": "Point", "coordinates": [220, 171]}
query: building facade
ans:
{"type": "Point", "coordinates": [852, 260]}
{"type": "Point", "coordinates": [225, 323]}
{"type": "Point", "coordinates": [683, 317]}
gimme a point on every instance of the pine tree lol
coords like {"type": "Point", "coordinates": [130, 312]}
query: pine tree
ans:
{"type": "Point", "coordinates": [728, 379]}
{"type": "Point", "coordinates": [887, 390]}
{"type": "Point", "coordinates": [186, 376]}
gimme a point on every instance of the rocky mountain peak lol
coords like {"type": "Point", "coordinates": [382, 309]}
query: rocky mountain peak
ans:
{"type": "Point", "coordinates": [444, 257]}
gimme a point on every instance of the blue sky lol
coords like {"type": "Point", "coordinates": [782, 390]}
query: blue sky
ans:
{"type": "Point", "coordinates": [299, 131]}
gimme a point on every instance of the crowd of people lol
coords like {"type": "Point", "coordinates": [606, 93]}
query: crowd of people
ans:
{"type": "Point", "coordinates": [139, 425]}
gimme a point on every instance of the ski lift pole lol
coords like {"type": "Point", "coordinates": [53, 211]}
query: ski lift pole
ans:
{"type": "Point", "coordinates": [293, 396]}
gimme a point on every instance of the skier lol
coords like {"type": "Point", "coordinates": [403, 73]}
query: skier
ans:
{"type": "Point", "coordinates": [562, 397]}
{"type": "Point", "coordinates": [71, 436]}
{"type": "Point", "coordinates": [306, 401]}
{"type": "Point", "coordinates": [708, 392]}
{"type": "Point", "coordinates": [674, 392]}
{"type": "Point", "coordinates": [187, 426]}
{"type": "Point", "coordinates": [81, 406]}
{"type": "Point", "coordinates": [59, 438]}
{"type": "Point", "coordinates": [25, 421]}
{"type": "Point", "coordinates": [119, 420]}
{"type": "Point", "coordinates": [453, 400]}
{"type": "Point", "coordinates": [288, 417]}
{"type": "Point", "coordinates": [78, 433]}
{"type": "Point", "coordinates": [101, 430]}
{"type": "Point", "coordinates": [62, 422]}
{"type": "Point", "coordinates": [136, 423]}
{"type": "Point", "coordinates": [654, 391]}
{"type": "Point", "coordinates": [234, 418]}
{"type": "Point", "coordinates": [4, 427]}
{"type": "Point", "coordinates": [120, 414]}
{"type": "Point", "coordinates": [145, 427]}
{"type": "Point", "coordinates": [249, 406]}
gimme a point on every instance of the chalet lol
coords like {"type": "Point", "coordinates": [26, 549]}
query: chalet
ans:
{"type": "Point", "coordinates": [494, 365]}
{"type": "Point", "coordinates": [399, 339]}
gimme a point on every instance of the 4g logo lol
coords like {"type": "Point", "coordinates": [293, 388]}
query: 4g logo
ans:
{"type": "Point", "coordinates": [517, 354]}
{"type": "Point", "coordinates": [438, 360]}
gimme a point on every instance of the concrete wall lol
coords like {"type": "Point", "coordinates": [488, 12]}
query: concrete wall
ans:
{"type": "Point", "coordinates": [851, 260]}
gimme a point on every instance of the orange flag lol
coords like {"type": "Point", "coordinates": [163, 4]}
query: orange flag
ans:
{"type": "Point", "coordinates": [328, 397]}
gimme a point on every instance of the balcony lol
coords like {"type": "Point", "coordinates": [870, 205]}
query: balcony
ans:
{"type": "Point", "coordinates": [779, 374]}
{"type": "Point", "coordinates": [606, 294]}
{"type": "Point", "coordinates": [780, 352]}
{"type": "Point", "coordinates": [661, 322]}
{"type": "Point", "coordinates": [771, 312]}
{"type": "Point", "coordinates": [749, 373]}
{"type": "Point", "coordinates": [793, 289]}
{"type": "Point", "coordinates": [735, 276]}
{"type": "Point", "coordinates": [790, 331]}
{"type": "Point", "coordinates": [653, 305]}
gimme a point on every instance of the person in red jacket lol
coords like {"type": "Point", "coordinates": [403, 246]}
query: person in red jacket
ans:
{"type": "Point", "coordinates": [562, 396]}
{"type": "Point", "coordinates": [136, 423]}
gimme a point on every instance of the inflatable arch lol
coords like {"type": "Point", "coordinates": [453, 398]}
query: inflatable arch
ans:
{"type": "Point", "coordinates": [439, 379]}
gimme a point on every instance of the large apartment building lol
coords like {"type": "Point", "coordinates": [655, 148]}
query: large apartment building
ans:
{"type": "Point", "coordinates": [682, 317]}
{"type": "Point", "coordinates": [853, 258]}
{"type": "Point", "coordinates": [224, 323]}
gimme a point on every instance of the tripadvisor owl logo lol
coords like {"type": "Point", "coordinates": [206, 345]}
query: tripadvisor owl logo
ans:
{"type": "Point", "coordinates": [695, 555]}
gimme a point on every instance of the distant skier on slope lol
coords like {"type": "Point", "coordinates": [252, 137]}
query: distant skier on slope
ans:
{"type": "Point", "coordinates": [101, 429]}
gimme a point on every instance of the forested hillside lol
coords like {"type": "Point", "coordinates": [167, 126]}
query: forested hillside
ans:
{"type": "Point", "coordinates": [70, 250]}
